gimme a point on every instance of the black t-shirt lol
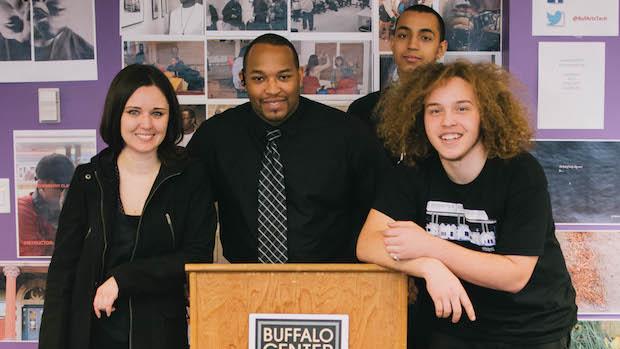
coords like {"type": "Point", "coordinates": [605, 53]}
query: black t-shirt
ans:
{"type": "Point", "coordinates": [115, 328]}
{"type": "Point", "coordinates": [505, 210]}
{"type": "Point", "coordinates": [330, 165]}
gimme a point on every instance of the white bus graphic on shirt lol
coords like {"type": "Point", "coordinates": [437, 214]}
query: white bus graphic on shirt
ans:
{"type": "Point", "coordinates": [451, 221]}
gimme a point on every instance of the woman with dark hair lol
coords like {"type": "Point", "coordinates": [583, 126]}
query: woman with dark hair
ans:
{"type": "Point", "coordinates": [312, 72]}
{"type": "Point", "coordinates": [131, 219]}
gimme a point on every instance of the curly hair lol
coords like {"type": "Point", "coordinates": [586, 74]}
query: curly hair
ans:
{"type": "Point", "coordinates": [504, 126]}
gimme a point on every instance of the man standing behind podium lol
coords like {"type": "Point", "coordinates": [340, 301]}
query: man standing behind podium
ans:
{"type": "Point", "coordinates": [418, 38]}
{"type": "Point", "coordinates": [294, 178]}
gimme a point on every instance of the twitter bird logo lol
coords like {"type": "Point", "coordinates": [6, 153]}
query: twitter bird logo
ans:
{"type": "Point", "coordinates": [555, 19]}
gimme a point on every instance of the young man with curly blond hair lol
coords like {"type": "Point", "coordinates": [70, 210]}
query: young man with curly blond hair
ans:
{"type": "Point", "coordinates": [468, 213]}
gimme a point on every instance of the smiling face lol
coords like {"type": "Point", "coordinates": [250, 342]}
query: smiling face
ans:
{"type": "Point", "coordinates": [144, 120]}
{"type": "Point", "coordinates": [272, 81]}
{"type": "Point", "coordinates": [416, 41]}
{"type": "Point", "coordinates": [14, 20]}
{"type": "Point", "coordinates": [452, 123]}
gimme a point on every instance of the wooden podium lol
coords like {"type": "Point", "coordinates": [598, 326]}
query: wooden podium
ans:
{"type": "Point", "coordinates": [223, 295]}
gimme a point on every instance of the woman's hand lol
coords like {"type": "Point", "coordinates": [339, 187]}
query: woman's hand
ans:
{"type": "Point", "coordinates": [105, 297]}
{"type": "Point", "coordinates": [446, 291]}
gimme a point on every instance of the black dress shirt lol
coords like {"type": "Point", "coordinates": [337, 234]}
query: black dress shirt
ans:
{"type": "Point", "coordinates": [330, 166]}
{"type": "Point", "coordinates": [364, 109]}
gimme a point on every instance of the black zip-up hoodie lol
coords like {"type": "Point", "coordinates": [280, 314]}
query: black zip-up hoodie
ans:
{"type": "Point", "coordinates": [176, 227]}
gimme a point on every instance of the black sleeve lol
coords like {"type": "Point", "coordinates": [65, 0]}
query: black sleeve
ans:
{"type": "Point", "coordinates": [527, 217]}
{"type": "Point", "coordinates": [363, 109]}
{"type": "Point", "coordinates": [369, 164]}
{"type": "Point", "coordinates": [397, 194]}
{"type": "Point", "coordinates": [72, 229]}
{"type": "Point", "coordinates": [157, 274]}
{"type": "Point", "coordinates": [200, 147]}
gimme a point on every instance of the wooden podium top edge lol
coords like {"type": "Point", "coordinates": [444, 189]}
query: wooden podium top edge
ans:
{"type": "Point", "coordinates": [257, 267]}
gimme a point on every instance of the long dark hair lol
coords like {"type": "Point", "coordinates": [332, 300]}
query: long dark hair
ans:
{"type": "Point", "coordinates": [313, 61]}
{"type": "Point", "coordinates": [125, 83]}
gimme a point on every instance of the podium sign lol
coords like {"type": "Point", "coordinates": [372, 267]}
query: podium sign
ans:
{"type": "Point", "coordinates": [305, 331]}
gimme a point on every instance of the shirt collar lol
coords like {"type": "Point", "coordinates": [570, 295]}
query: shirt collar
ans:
{"type": "Point", "coordinates": [289, 127]}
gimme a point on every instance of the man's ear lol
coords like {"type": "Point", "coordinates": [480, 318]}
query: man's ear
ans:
{"type": "Point", "coordinates": [300, 71]}
{"type": "Point", "coordinates": [242, 77]}
{"type": "Point", "coordinates": [441, 51]}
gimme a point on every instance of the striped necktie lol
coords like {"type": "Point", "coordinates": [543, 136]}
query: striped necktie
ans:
{"type": "Point", "coordinates": [272, 227]}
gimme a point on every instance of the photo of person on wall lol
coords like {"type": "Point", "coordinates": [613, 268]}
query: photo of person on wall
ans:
{"type": "Point", "coordinates": [14, 30]}
{"type": "Point", "coordinates": [39, 210]}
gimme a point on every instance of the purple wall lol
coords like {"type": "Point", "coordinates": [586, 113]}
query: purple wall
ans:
{"type": "Point", "coordinates": [81, 102]}
{"type": "Point", "coordinates": [523, 60]}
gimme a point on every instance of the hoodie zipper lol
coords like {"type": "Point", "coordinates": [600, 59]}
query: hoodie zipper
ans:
{"type": "Point", "coordinates": [105, 238]}
{"type": "Point", "coordinates": [171, 229]}
{"type": "Point", "coordinates": [133, 253]}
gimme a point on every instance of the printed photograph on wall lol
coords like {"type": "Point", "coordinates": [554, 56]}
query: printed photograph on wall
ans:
{"type": "Point", "coordinates": [39, 37]}
{"type": "Point", "coordinates": [15, 29]}
{"type": "Point", "coordinates": [349, 16]}
{"type": "Point", "coordinates": [224, 64]}
{"type": "Point", "coordinates": [592, 260]}
{"type": "Point", "coordinates": [472, 25]}
{"type": "Point", "coordinates": [132, 12]}
{"type": "Point", "coordinates": [387, 70]}
{"type": "Point", "coordinates": [329, 68]}
{"type": "Point", "coordinates": [389, 11]}
{"type": "Point", "coordinates": [583, 180]}
{"type": "Point", "coordinates": [168, 17]}
{"type": "Point", "coordinates": [164, 8]}
{"type": "Point", "coordinates": [596, 334]}
{"type": "Point", "coordinates": [21, 307]}
{"type": "Point", "coordinates": [155, 8]}
{"type": "Point", "coordinates": [63, 30]}
{"type": "Point", "coordinates": [183, 62]}
{"type": "Point", "coordinates": [214, 109]}
{"type": "Point", "coordinates": [193, 116]}
{"type": "Point", "coordinates": [473, 57]}
{"type": "Point", "coordinates": [251, 15]}
{"type": "Point", "coordinates": [335, 68]}
{"type": "Point", "coordinates": [186, 17]}
{"type": "Point", "coordinates": [44, 165]}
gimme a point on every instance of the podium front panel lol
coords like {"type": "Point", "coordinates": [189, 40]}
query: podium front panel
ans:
{"type": "Point", "coordinates": [223, 296]}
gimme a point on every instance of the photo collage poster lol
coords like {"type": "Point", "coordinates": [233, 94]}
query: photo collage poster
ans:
{"type": "Point", "coordinates": [50, 40]}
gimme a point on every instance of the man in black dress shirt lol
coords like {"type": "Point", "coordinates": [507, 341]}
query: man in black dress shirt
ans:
{"type": "Point", "coordinates": [330, 162]}
{"type": "Point", "coordinates": [418, 38]}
